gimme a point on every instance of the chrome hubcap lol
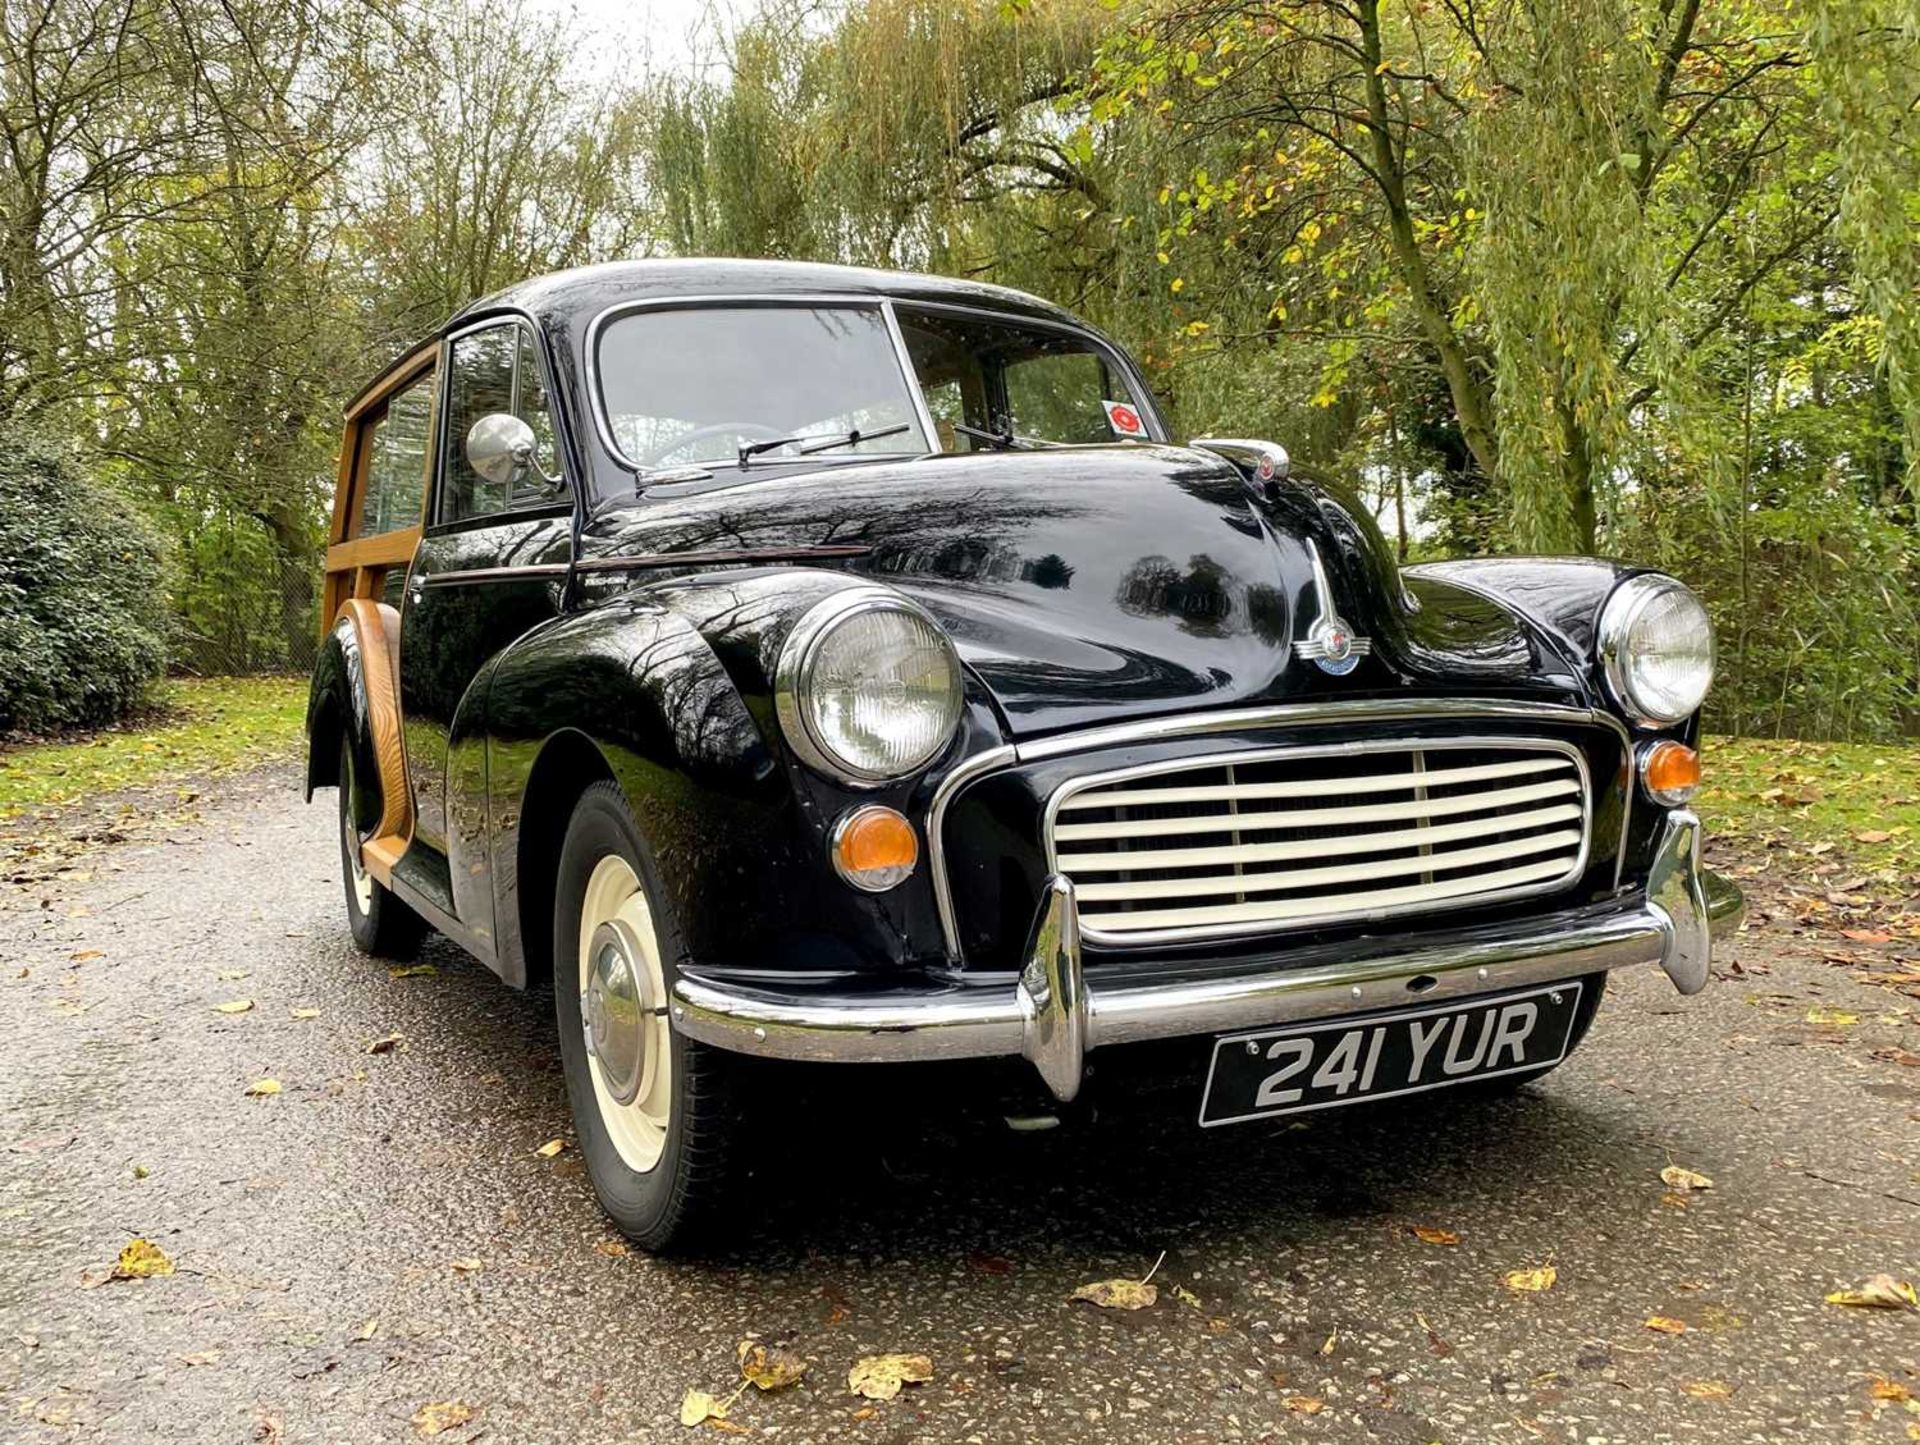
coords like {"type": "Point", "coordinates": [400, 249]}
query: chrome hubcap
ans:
{"type": "Point", "coordinates": [616, 1009]}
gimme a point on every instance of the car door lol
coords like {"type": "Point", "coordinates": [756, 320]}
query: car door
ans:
{"type": "Point", "coordinates": [490, 566]}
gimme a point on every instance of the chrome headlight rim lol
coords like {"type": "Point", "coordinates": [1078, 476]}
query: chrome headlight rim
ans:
{"type": "Point", "coordinates": [795, 666]}
{"type": "Point", "coordinates": [1624, 607]}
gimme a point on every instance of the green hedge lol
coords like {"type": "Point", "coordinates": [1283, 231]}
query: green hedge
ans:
{"type": "Point", "coordinates": [82, 601]}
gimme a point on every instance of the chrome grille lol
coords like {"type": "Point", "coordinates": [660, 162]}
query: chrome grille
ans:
{"type": "Point", "coordinates": [1265, 841]}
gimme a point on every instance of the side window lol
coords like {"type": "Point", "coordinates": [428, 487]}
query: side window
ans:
{"type": "Point", "coordinates": [493, 370]}
{"type": "Point", "coordinates": [1058, 397]}
{"type": "Point", "coordinates": [396, 473]}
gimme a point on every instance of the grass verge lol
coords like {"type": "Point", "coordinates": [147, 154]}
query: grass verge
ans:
{"type": "Point", "coordinates": [199, 727]}
{"type": "Point", "coordinates": [1860, 801]}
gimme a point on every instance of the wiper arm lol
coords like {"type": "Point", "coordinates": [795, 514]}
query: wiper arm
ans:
{"type": "Point", "coordinates": [1006, 441]}
{"type": "Point", "coordinates": [820, 443]}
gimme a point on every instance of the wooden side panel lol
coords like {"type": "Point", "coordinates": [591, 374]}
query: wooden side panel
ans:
{"type": "Point", "coordinates": [377, 627]}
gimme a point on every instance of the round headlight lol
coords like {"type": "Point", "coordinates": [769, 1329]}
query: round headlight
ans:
{"type": "Point", "coordinates": [1657, 645]}
{"type": "Point", "coordinates": [868, 687]}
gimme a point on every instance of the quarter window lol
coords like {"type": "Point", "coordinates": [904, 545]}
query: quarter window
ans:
{"type": "Point", "coordinates": [493, 370]}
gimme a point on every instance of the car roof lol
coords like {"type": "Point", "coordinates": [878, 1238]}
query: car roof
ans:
{"type": "Point", "coordinates": [579, 294]}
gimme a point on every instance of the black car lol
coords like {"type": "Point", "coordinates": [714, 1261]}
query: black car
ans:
{"type": "Point", "coordinates": [826, 664]}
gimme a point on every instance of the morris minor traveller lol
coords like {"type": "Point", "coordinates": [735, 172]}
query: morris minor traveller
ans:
{"type": "Point", "coordinates": [844, 666]}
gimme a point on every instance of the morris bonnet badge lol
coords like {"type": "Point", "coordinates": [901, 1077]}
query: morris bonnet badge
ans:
{"type": "Point", "coordinates": [1330, 642]}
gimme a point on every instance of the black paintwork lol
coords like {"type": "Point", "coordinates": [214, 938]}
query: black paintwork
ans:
{"type": "Point", "coordinates": [1082, 586]}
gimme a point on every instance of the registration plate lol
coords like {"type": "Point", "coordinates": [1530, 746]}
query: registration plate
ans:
{"type": "Point", "coordinates": [1321, 1066]}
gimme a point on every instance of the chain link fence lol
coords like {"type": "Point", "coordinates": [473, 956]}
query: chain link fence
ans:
{"type": "Point", "coordinates": [247, 621]}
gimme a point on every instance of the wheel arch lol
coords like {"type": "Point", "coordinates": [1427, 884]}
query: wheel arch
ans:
{"type": "Point", "coordinates": [568, 764]}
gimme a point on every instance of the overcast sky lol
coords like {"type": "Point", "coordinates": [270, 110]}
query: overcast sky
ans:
{"type": "Point", "coordinates": [648, 34]}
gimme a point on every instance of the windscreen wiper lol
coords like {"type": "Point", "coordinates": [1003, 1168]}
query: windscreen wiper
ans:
{"type": "Point", "coordinates": [816, 443]}
{"type": "Point", "coordinates": [1006, 441]}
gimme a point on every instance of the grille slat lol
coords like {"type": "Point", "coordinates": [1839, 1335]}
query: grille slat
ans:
{"type": "Point", "coordinates": [1203, 884]}
{"type": "Point", "coordinates": [1253, 821]}
{"type": "Point", "coordinates": [1313, 787]}
{"type": "Point", "coordinates": [1466, 823]}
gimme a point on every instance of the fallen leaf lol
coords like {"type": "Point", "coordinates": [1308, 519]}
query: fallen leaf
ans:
{"type": "Point", "coordinates": [412, 970]}
{"type": "Point", "coordinates": [263, 1088]}
{"type": "Point", "coordinates": [142, 1259]}
{"type": "Point", "coordinates": [1835, 1018]}
{"type": "Point", "coordinates": [613, 1248]}
{"type": "Point", "coordinates": [467, 1265]}
{"type": "Point", "coordinates": [1866, 935]}
{"type": "Point", "coordinates": [551, 1148]}
{"type": "Point", "coordinates": [1186, 1296]}
{"type": "Point", "coordinates": [1666, 1325]}
{"type": "Point", "coordinates": [1304, 1404]}
{"type": "Point", "coordinates": [769, 1367]}
{"type": "Point", "coordinates": [698, 1406]}
{"type": "Point", "coordinates": [386, 1045]}
{"type": "Point", "coordinates": [1530, 1281]}
{"type": "Point", "coordinates": [1885, 1389]}
{"type": "Point", "coordinates": [368, 1330]}
{"type": "Point", "coordinates": [1674, 1177]}
{"type": "Point", "coordinates": [1881, 1292]}
{"type": "Point", "coordinates": [1894, 1054]}
{"type": "Point", "coordinates": [200, 1357]}
{"type": "Point", "coordinates": [1332, 1339]}
{"type": "Point", "coordinates": [1118, 1294]}
{"type": "Point", "coordinates": [1707, 1389]}
{"type": "Point", "coordinates": [1427, 1234]}
{"type": "Point", "coordinates": [439, 1415]}
{"type": "Point", "coordinates": [231, 975]}
{"type": "Point", "coordinates": [879, 1377]}
{"type": "Point", "coordinates": [234, 1006]}
{"type": "Point", "coordinates": [303, 1013]}
{"type": "Point", "coordinates": [1872, 835]}
{"type": "Point", "coordinates": [85, 955]}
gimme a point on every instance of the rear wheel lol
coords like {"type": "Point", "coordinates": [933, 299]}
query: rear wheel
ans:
{"type": "Point", "coordinates": [652, 1109]}
{"type": "Point", "coordinates": [382, 925]}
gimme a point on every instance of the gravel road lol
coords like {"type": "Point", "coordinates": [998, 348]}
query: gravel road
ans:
{"type": "Point", "coordinates": [383, 1233]}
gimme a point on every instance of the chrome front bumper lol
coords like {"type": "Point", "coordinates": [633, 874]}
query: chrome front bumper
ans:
{"type": "Point", "coordinates": [1053, 1016]}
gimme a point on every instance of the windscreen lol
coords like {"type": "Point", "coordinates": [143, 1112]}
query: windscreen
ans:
{"type": "Point", "coordinates": [693, 386]}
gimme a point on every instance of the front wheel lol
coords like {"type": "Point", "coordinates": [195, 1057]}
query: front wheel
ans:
{"type": "Point", "coordinates": [651, 1108]}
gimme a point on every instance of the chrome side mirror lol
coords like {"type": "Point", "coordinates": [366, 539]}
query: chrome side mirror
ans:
{"type": "Point", "coordinates": [501, 448]}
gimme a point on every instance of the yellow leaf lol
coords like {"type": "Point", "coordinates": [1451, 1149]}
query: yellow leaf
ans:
{"type": "Point", "coordinates": [438, 1415]}
{"type": "Point", "coordinates": [142, 1259]}
{"type": "Point", "coordinates": [1427, 1234]}
{"type": "Point", "coordinates": [1674, 1177]}
{"type": "Point", "coordinates": [879, 1377]}
{"type": "Point", "coordinates": [303, 1013]}
{"type": "Point", "coordinates": [263, 1088]}
{"type": "Point", "coordinates": [368, 1330]}
{"type": "Point", "coordinates": [413, 970]}
{"type": "Point", "coordinates": [768, 1366]}
{"type": "Point", "coordinates": [1304, 1404]}
{"type": "Point", "coordinates": [699, 1406]}
{"type": "Point", "coordinates": [231, 975]}
{"type": "Point", "coordinates": [468, 1265]}
{"type": "Point", "coordinates": [1882, 1292]}
{"type": "Point", "coordinates": [1118, 1294]}
{"type": "Point", "coordinates": [1885, 1389]}
{"type": "Point", "coordinates": [1707, 1389]}
{"type": "Point", "coordinates": [1530, 1281]}
{"type": "Point", "coordinates": [234, 1006]}
{"type": "Point", "coordinates": [1832, 1017]}
{"type": "Point", "coordinates": [84, 955]}
{"type": "Point", "coordinates": [1666, 1325]}
{"type": "Point", "coordinates": [613, 1248]}
{"type": "Point", "coordinates": [551, 1148]}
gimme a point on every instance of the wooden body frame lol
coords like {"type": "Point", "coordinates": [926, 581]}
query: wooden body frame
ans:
{"type": "Point", "coordinates": [356, 572]}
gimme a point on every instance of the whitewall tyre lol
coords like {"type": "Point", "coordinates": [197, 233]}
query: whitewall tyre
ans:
{"type": "Point", "coordinates": [381, 924]}
{"type": "Point", "coordinates": [651, 1109]}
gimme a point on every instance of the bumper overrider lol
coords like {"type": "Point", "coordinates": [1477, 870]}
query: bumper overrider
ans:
{"type": "Point", "coordinates": [1055, 1016]}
